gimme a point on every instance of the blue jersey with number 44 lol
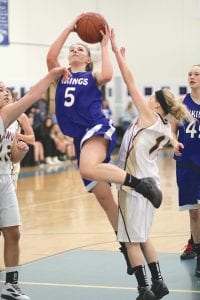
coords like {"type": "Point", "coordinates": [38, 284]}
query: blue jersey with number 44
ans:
{"type": "Point", "coordinates": [78, 104]}
{"type": "Point", "coordinates": [189, 134]}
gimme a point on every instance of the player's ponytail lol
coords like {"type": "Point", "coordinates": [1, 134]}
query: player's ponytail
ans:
{"type": "Point", "coordinates": [176, 108]}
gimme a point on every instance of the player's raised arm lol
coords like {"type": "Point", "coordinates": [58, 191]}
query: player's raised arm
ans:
{"type": "Point", "coordinates": [12, 111]}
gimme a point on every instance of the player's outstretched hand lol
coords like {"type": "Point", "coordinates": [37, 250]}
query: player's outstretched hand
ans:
{"type": "Point", "coordinates": [72, 25]}
{"type": "Point", "coordinates": [105, 35]}
{"type": "Point", "coordinates": [178, 147]}
{"type": "Point", "coordinates": [58, 72]}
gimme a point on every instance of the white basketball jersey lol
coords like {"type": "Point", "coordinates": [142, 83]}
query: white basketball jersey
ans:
{"type": "Point", "coordinates": [5, 148]}
{"type": "Point", "coordinates": [140, 147]}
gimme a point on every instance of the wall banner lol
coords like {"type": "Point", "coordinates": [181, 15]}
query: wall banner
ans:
{"type": "Point", "coordinates": [4, 37]}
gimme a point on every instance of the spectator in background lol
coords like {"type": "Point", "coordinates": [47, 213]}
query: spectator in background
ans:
{"type": "Point", "coordinates": [129, 114]}
{"type": "Point", "coordinates": [36, 153]}
{"type": "Point", "coordinates": [43, 134]}
{"type": "Point", "coordinates": [64, 144]}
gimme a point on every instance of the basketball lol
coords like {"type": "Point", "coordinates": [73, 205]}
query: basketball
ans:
{"type": "Point", "coordinates": [89, 26]}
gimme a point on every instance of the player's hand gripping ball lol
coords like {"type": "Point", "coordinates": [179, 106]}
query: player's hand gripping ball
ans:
{"type": "Point", "coordinates": [89, 26]}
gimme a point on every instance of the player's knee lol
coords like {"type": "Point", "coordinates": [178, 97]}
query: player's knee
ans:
{"type": "Point", "coordinates": [87, 173]}
{"type": "Point", "coordinates": [194, 215]}
{"type": "Point", "coordinates": [12, 234]}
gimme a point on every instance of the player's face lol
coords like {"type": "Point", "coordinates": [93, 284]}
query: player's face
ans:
{"type": "Point", "coordinates": [194, 77]}
{"type": "Point", "coordinates": [78, 54]}
{"type": "Point", "coordinates": [4, 95]}
{"type": "Point", "coordinates": [10, 97]}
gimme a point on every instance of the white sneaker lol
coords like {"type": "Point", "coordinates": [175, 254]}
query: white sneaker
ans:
{"type": "Point", "coordinates": [49, 161]}
{"type": "Point", "coordinates": [13, 292]}
{"type": "Point", "coordinates": [56, 160]}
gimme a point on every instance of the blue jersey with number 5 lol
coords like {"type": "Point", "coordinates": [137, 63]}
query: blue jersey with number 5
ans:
{"type": "Point", "coordinates": [78, 104]}
{"type": "Point", "coordinates": [189, 134]}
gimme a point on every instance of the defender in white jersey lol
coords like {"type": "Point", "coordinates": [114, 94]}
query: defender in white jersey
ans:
{"type": "Point", "coordinates": [9, 210]}
{"type": "Point", "coordinates": [138, 155]}
{"type": "Point", "coordinates": [139, 150]}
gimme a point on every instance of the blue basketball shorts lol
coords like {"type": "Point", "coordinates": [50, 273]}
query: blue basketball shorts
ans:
{"type": "Point", "coordinates": [188, 181]}
{"type": "Point", "coordinates": [108, 131]}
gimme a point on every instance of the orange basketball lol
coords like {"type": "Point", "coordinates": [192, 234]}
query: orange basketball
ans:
{"type": "Point", "coordinates": [89, 26]}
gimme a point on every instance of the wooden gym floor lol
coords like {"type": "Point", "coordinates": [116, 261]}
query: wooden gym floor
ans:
{"type": "Point", "coordinates": [68, 248]}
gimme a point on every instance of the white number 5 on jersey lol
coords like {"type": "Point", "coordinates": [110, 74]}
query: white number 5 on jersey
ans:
{"type": "Point", "coordinates": [69, 96]}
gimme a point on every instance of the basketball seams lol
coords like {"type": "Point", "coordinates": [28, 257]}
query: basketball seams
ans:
{"type": "Point", "coordinates": [97, 26]}
{"type": "Point", "coordinates": [89, 26]}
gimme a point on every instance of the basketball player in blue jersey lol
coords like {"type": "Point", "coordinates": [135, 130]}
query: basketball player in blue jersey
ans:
{"type": "Point", "coordinates": [187, 155]}
{"type": "Point", "coordinates": [147, 134]}
{"type": "Point", "coordinates": [79, 115]}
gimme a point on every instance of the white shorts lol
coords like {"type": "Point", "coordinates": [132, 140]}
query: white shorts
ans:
{"type": "Point", "coordinates": [135, 218]}
{"type": "Point", "coordinates": [9, 208]}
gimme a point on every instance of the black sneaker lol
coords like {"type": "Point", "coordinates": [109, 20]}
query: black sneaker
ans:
{"type": "Point", "coordinates": [159, 288]}
{"type": "Point", "coordinates": [148, 188]}
{"type": "Point", "coordinates": [197, 273]}
{"type": "Point", "coordinates": [123, 250]}
{"type": "Point", "coordinates": [188, 252]}
{"type": "Point", "coordinates": [145, 294]}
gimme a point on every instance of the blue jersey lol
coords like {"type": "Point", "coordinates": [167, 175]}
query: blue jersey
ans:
{"type": "Point", "coordinates": [189, 135]}
{"type": "Point", "coordinates": [78, 104]}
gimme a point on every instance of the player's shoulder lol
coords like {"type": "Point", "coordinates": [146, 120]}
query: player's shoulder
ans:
{"type": "Point", "coordinates": [22, 117]}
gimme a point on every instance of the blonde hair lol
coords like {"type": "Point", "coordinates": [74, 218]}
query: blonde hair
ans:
{"type": "Point", "coordinates": [176, 108]}
{"type": "Point", "coordinates": [197, 65]}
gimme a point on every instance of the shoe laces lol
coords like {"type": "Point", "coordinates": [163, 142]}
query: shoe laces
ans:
{"type": "Point", "coordinates": [17, 288]}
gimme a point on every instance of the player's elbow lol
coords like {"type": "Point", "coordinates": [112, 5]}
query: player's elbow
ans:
{"type": "Point", "coordinates": [51, 61]}
{"type": "Point", "coordinates": [106, 78]}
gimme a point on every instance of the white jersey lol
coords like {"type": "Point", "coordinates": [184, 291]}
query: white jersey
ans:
{"type": "Point", "coordinates": [140, 147]}
{"type": "Point", "coordinates": [9, 208]}
{"type": "Point", "coordinates": [138, 154]}
{"type": "Point", "coordinates": [7, 140]}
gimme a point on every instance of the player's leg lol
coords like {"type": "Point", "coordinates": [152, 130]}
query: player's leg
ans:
{"type": "Point", "coordinates": [132, 229]}
{"type": "Point", "coordinates": [189, 251]}
{"type": "Point", "coordinates": [94, 169]}
{"type": "Point", "coordinates": [138, 266]}
{"type": "Point", "coordinates": [195, 229]}
{"type": "Point", "coordinates": [189, 198]}
{"type": "Point", "coordinates": [158, 285]}
{"type": "Point", "coordinates": [104, 195]}
{"type": "Point", "coordinates": [102, 191]}
{"type": "Point", "coordinates": [9, 224]}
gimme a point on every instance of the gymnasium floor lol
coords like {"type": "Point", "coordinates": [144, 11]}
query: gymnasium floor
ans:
{"type": "Point", "coordinates": [83, 275]}
{"type": "Point", "coordinates": [68, 248]}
